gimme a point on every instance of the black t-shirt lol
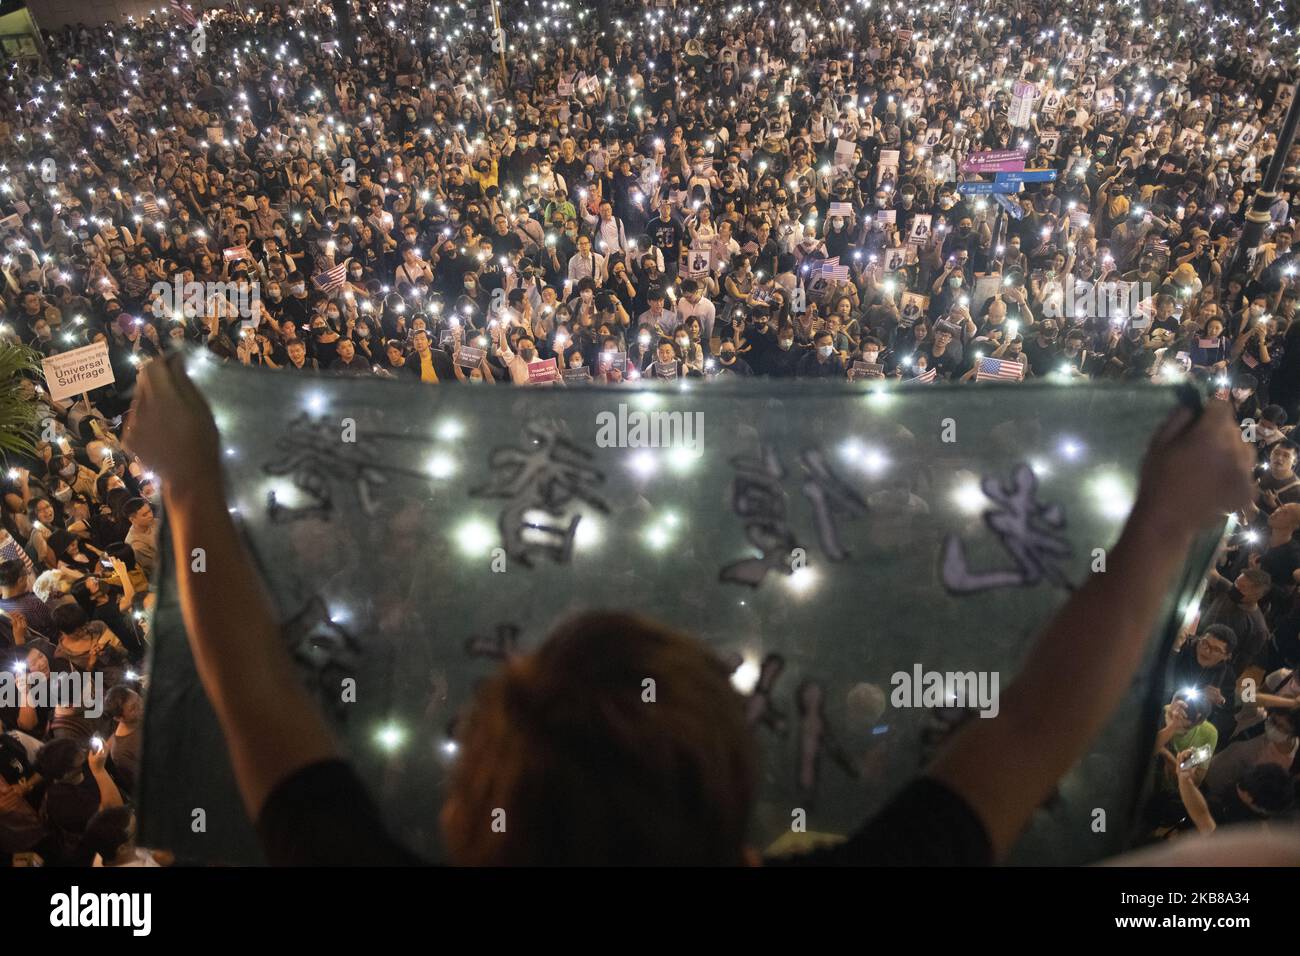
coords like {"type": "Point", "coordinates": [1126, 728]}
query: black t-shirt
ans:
{"type": "Point", "coordinates": [322, 816]}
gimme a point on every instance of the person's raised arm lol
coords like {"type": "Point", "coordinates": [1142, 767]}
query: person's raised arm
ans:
{"type": "Point", "coordinates": [232, 626]}
{"type": "Point", "coordinates": [1196, 471]}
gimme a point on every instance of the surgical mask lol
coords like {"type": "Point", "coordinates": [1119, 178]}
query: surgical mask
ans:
{"type": "Point", "coordinates": [870, 357]}
{"type": "Point", "coordinates": [683, 341]}
{"type": "Point", "coordinates": [527, 354]}
{"type": "Point", "coordinates": [825, 350]}
{"type": "Point", "coordinates": [786, 343]}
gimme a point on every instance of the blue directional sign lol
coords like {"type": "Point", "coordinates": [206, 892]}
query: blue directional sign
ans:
{"type": "Point", "coordinates": [1016, 211]}
{"type": "Point", "coordinates": [987, 189]}
{"type": "Point", "coordinates": [1028, 176]}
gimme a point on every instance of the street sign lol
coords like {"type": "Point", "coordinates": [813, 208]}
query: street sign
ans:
{"type": "Point", "coordinates": [987, 189]}
{"type": "Point", "coordinates": [1013, 209]}
{"type": "Point", "coordinates": [1027, 176]}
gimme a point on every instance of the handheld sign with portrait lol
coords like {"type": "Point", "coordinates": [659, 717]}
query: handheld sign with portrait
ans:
{"type": "Point", "coordinates": [920, 228]}
{"type": "Point", "coordinates": [77, 371]}
{"type": "Point", "coordinates": [913, 307]}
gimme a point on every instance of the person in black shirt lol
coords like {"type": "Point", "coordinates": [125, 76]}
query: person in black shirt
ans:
{"type": "Point", "coordinates": [784, 360]}
{"type": "Point", "coordinates": [1041, 350]}
{"type": "Point", "coordinates": [666, 233]}
{"type": "Point", "coordinates": [679, 788]}
{"type": "Point", "coordinates": [821, 361]}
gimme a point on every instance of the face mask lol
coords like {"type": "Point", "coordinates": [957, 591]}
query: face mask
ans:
{"type": "Point", "coordinates": [527, 354]}
{"type": "Point", "coordinates": [955, 282]}
{"type": "Point", "coordinates": [786, 343]}
{"type": "Point", "coordinates": [825, 350]}
{"type": "Point", "coordinates": [727, 357]}
{"type": "Point", "coordinates": [870, 357]}
{"type": "Point", "coordinates": [69, 472]}
{"type": "Point", "coordinates": [298, 288]}
{"type": "Point", "coordinates": [683, 342]}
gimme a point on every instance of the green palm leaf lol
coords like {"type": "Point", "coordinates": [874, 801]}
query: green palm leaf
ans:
{"type": "Point", "coordinates": [20, 412]}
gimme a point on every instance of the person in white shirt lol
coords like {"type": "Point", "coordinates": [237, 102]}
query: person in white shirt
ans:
{"type": "Point", "coordinates": [586, 264]}
{"type": "Point", "coordinates": [516, 363]}
{"type": "Point", "coordinates": [663, 321]}
{"type": "Point", "coordinates": [694, 304]}
{"type": "Point", "coordinates": [551, 181]}
{"type": "Point", "coordinates": [609, 234]}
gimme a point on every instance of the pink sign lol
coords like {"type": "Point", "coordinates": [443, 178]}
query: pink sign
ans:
{"type": "Point", "coordinates": [542, 371]}
{"type": "Point", "coordinates": [995, 161]}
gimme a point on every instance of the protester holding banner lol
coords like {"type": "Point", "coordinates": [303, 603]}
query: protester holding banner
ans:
{"type": "Point", "coordinates": [972, 202]}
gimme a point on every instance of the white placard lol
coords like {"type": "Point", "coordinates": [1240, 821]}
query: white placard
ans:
{"type": "Point", "coordinates": [77, 371]}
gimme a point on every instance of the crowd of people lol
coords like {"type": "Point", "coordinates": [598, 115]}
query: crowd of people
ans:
{"type": "Point", "coordinates": [642, 192]}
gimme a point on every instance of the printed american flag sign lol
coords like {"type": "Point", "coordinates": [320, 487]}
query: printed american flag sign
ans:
{"type": "Point", "coordinates": [925, 378]}
{"type": "Point", "coordinates": [994, 369]}
{"type": "Point", "coordinates": [331, 280]}
{"type": "Point", "coordinates": [183, 12]}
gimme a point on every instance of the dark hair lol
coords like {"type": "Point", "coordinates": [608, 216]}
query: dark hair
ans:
{"type": "Point", "coordinates": [132, 506]}
{"type": "Point", "coordinates": [106, 832]}
{"type": "Point", "coordinates": [1222, 632]}
{"type": "Point", "coordinates": [12, 572]}
{"type": "Point", "coordinates": [560, 739]}
{"type": "Point", "coordinates": [116, 699]}
{"type": "Point", "coordinates": [68, 617]}
{"type": "Point", "coordinates": [1269, 787]}
{"type": "Point", "coordinates": [56, 758]}
{"type": "Point", "coordinates": [1196, 703]}
{"type": "Point", "coordinates": [1275, 414]}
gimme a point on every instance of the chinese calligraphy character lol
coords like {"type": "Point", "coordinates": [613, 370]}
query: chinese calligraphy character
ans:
{"type": "Point", "coordinates": [313, 456]}
{"type": "Point", "coordinates": [815, 738]}
{"type": "Point", "coordinates": [324, 650]}
{"type": "Point", "coordinates": [758, 498]}
{"type": "Point", "coordinates": [542, 484]}
{"type": "Point", "coordinates": [1031, 532]}
{"type": "Point", "coordinates": [830, 496]}
{"type": "Point", "coordinates": [759, 708]}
